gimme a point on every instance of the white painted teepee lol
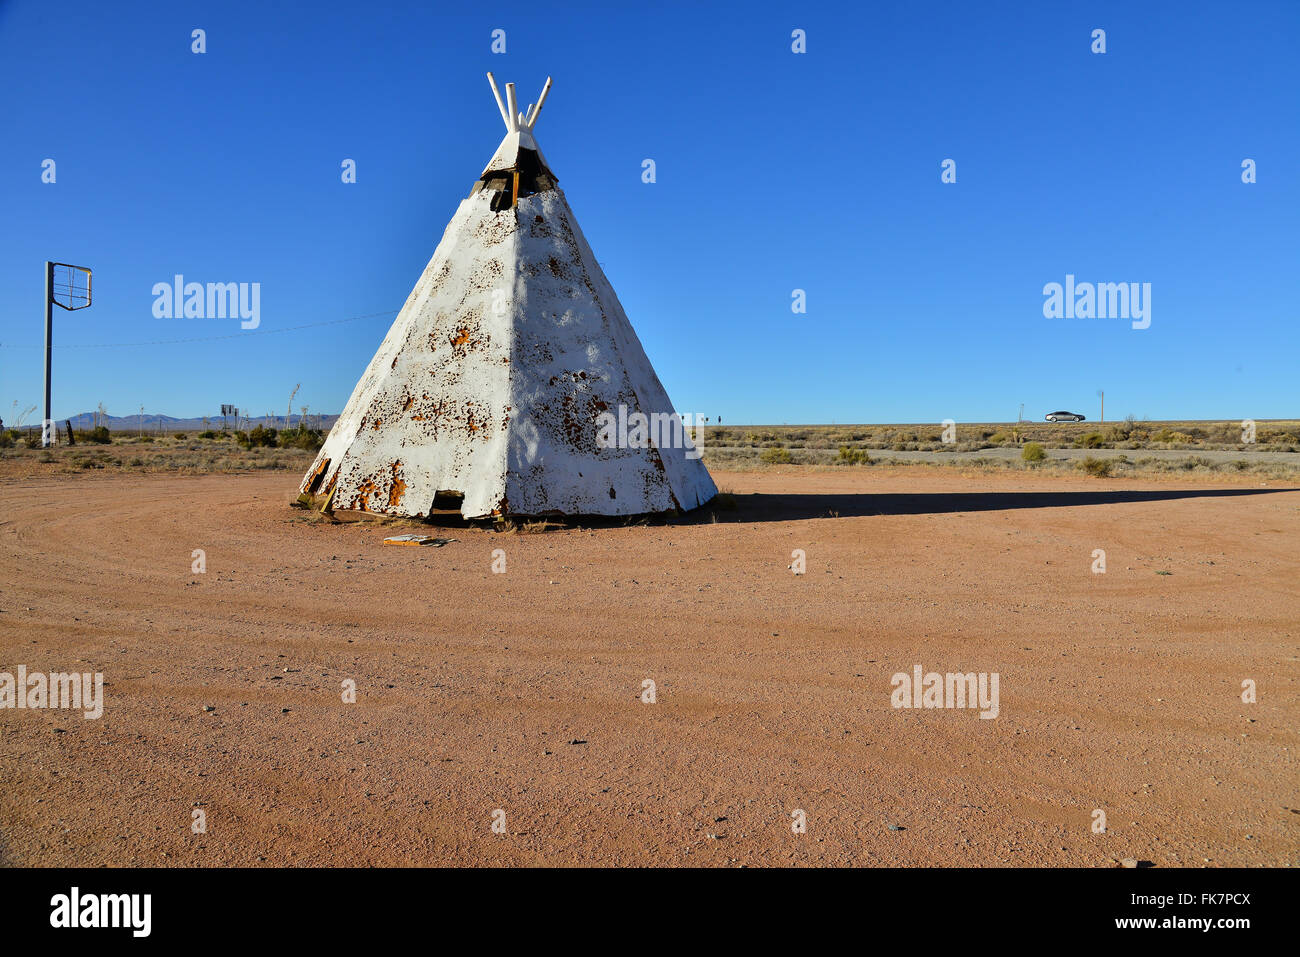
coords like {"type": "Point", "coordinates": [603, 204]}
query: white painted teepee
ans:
{"type": "Point", "coordinates": [498, 381]}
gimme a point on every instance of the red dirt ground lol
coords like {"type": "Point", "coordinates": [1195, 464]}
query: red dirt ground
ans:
{"type": "Point", "coordinates": [521, 691]}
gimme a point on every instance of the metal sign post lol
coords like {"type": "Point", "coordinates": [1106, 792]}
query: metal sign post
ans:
{"type": "Point", "coordinates": [75, 295]}
{"type": "Point", "coordinates": [47, 438]}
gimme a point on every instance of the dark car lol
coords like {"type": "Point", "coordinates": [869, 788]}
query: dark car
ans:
{"type": "Point", "coordinates": [1064, 417]}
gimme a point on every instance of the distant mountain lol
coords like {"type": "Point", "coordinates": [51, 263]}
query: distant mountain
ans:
{"type": "Point", "coordinates": [154, 422]}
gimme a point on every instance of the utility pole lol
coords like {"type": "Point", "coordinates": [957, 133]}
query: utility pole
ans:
{"type": "Point", "coordinates": [1101, 393]}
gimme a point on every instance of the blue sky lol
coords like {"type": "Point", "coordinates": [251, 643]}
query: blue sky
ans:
{"type": "Point", "coordinates": [775, 171]}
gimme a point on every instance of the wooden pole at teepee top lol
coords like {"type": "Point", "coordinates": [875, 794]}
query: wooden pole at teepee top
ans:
{"type": "Point", "coordinates": [505, 118]}
{"type": "Point", "coordinates": [532, 119]}
{"type": "Point", "coordinates": [514, 120]}
{"type": "Point", "coordinates": [512, 108]}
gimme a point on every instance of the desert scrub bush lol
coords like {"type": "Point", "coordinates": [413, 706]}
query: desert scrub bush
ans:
{"type": "Point", "coordinates": [6, 440]}
{"type": "Point", "coordinates": [258, 437]}
{"type": "Point", "coordinates": [1033, 452]}
{"type": "Point", "coordinates": [1123, 431]}
{"type": "Point", "coordinates": [207, 434]}
{"type": "Point", "coordinates": [309, 440]}
{"type": "Point", "coordinates": [1099, 468]}
{"type": "Point", "coordinates": [776, 455]}
{"type": "Point", "coordinates": [1093, 440]}
{"type": "Point", "coordinates": [716, 456]}
{"type": "Point", "coordinates": [852, 456]}
{"type": "Point", "coordinates": [99, 435]}
{"type": "Point", "coordinates": [1276, 437]}
{"type": "Point", "coordinates": [1226, 434]}
{"type": "Point", "coordinates": [180, 436]}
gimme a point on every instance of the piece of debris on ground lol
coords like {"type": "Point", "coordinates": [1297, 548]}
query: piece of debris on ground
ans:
{"type": "Point", "coordinates": [418, 540]}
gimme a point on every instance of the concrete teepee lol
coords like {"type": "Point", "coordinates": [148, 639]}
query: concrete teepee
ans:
{"type": "Point", "coordinates": [511, 381]}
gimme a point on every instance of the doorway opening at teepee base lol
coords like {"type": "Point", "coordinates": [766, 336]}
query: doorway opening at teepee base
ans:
{"type": "Point", "coordinates": [446, 500]}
